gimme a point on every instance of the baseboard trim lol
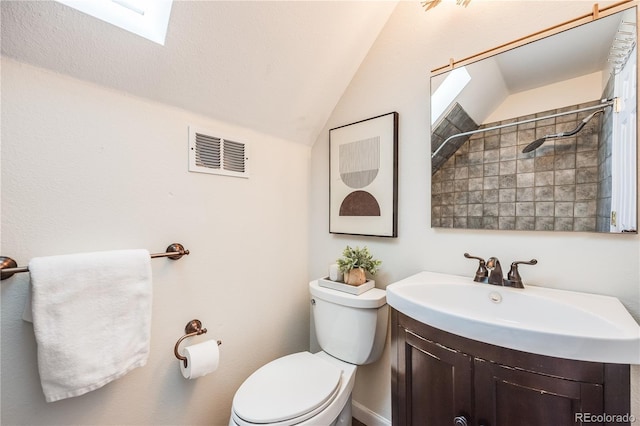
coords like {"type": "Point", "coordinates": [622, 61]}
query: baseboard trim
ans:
{"type": "Point", "coordinates": [367, 416]}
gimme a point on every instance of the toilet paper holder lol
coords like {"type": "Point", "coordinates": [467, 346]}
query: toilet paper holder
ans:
{"type": "Point", "coordinates": [193, 328]}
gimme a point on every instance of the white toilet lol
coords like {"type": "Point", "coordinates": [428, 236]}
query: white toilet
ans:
{"type": "Point", "coordinates": [315, 389]}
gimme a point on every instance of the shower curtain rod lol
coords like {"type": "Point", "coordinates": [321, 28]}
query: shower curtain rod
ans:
{"type": "Point", "coordinates": [8, 266]}
{"type": "Point", "coordinates": [596, 13]}
{"type": "Point", "coordinates": [530, 120]}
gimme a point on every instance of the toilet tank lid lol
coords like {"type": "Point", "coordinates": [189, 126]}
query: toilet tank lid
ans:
{"type": "Point", "coordinates": [373, 298]}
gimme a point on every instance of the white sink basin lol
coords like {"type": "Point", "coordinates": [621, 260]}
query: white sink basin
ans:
{"type": "Point", "coordinates": [539, 320]}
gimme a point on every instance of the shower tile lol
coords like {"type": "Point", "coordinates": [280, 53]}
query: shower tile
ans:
{"type": "Point", "coordinates": [474, 222]}
{"type": "Point", "coordinates": [492, 169]}
{"type": "Point", "coordinates": [565, 177]}
{"type": "Point", "coordinates": [565, 146]}
{"type": "Point", "coordinates": [586, 159]}
{"type": "Point", "coordinates": [492, 156]}
{"type": "Point", "coordinates": [476, 157]}
{"type": "Point", "coordinates": [491, 196]}
{"type": "Point", "coordinates": [490, 222]}
{"type": "Point", "coordinates": [475, 197]}
{"type": "Point", "coordinates": [507, 195]}
{"type": "Point", "coordinates": [589, 191]}
{"type": "Point", "coordinates": [491, 182]}
{"type": "Point", "coordinates": [476, 171]}
{"type": "Point", "coordinates": [476, 184]}
{"type": "Point", "coordinates": [490, 210]}
{"type": "Point", "coordinates": [491, 142]}
{"type": "Point", "coordinates": [461, 198]}
{"type": "Point", "coordinates": [545, 163]}
{"type": "Point", "coordinates": [446, 222]}
{"type": "Point", "coordinates": [587, 175]}
{"type": "Point", "coordinates": [530, 125]}
{"type": "Point", "coordinates": [461, 185]}
{"type": "Point", "coordinates": [544, 208]}
{"type": "Point", "coordinates": [462, 173]}
{"type": "Point", "coordinates": [563, 224]}
{"type": "Point", "coordinates": [585, 209]}
{"type": "Point", "coordinates": [476, 144]}
{"type": "Point", "coordinates": [525, 194]}
{"type": "Point", "coordinates": [544, 223]}
{"type": "Point", "coordinates": [507, 223]}
{"type": "Point", "coordinates": [507, 181]}
{"type": "Point", "coordinates": [544, 179]}
{"type": "Point", "coordinates": [461, 160]}
{"type": "Point", "coordinates": [460, 210]}
{"type": "Point", "coordinates": [564, 209]}
{"type": "Point", "coordinates": [508, 153]}
{"type": "Point", "coordinates": [564, 193]}
{"type": "Point", "coordinates": [587, 224]}
{"type": "Point", "coordinates": [586, 141]}
{"type": "Point", "coordinates": [524, 180]}
{"type": "Point", "coordinates": [525, 223]}
{"type": "Point", "coordinates": [507, 167]}
{"type": "Point", "coordinates": [565, 161]}
{"type": "Point", "coordinates": [544, 193]}
{"type": "Point", "coordinates": [525, 209]}
{"type": "Point", "coordinates": [509, 138]}
{"type": "Point", "coordinates": [526, 165]}
{"type": "Point", "coordinates": [475, 210]}
{"type": "Point", "coordinates": [506, 209]}
{"type": "Point", "coordinates": [436, 188]}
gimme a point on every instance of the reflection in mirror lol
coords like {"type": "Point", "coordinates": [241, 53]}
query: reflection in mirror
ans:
{"type": "Point", "coordinates": [542, 136]}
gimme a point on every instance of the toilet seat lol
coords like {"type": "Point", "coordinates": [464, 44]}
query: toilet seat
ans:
{"type": "Point", "coordinates": [287, 391]}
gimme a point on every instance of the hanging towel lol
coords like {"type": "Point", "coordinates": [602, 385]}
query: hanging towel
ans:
{"type": "Point", "coordinates": [91, 318]}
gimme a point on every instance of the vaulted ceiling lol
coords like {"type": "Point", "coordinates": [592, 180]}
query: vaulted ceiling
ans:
{"type": "Point", "coordinates": [277, 67]}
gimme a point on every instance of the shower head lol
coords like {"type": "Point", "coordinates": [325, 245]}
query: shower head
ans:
{"type": "Point", "coordinates": [534, 145]}
{"type": "Point", "coordinates": [538, 142]}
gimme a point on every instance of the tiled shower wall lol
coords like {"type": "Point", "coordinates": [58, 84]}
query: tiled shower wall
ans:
{"type": "Point", "coordinates": [490, 184]}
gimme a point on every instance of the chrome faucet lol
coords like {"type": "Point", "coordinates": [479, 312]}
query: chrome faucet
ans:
{"type": "Point", "coordinates": [490, 272]}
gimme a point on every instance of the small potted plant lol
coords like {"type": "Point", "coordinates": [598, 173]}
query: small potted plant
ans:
{"type": "Point", "coordinates": [355, 262]}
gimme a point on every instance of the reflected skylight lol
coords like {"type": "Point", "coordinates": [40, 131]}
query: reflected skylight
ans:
{"type": "Point", "coordinates": [146, 18]}
{"type": "Point", "coordinates": [450, 88]}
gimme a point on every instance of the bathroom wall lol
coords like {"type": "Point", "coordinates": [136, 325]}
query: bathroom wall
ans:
{"type": "Point", "coordinates": [395, 77]}
{"type": "Point", "coordinates": [86, 168]}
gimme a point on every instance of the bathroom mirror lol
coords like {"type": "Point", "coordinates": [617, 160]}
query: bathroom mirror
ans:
{"type": "Point", "coordinates": [568, 101]}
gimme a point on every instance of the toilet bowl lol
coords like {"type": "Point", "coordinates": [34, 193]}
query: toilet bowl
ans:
{"type": "Point", "coordinates": [315, 389]}
{"type": "Point", "coordinates": [298, 389]}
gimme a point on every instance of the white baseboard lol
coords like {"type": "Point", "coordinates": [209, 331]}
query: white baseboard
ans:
{"type": "Point", "coordinates": [368, 417]}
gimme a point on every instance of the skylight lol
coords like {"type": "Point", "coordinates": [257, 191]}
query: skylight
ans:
{"type": "Point", "coordinates": [448, 92]}
{"type": "Point", "coordinates": [146, 18]}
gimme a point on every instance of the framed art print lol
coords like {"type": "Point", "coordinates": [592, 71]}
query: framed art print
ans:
{"type": "Point", "coordinates": [363, 177]}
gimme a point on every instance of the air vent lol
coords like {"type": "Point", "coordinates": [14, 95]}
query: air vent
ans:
{"type": "Point", "coordinates": [217, 155]}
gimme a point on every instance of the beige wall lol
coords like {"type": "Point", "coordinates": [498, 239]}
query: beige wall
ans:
{"type": "Point", "coordinates": [85, 169]}
{"type": "Point", "coordinates": [395, 77]}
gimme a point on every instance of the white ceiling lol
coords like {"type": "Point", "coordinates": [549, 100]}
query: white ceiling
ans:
{"type": "Point", "coordinates": [277, 67]}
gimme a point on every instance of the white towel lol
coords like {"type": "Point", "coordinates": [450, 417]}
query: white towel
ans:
{"type": "Point", "coordinates": [91, 317]}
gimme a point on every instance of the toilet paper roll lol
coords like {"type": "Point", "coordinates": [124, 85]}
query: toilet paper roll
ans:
{"type": "Point", "coordinates": [202, 358]}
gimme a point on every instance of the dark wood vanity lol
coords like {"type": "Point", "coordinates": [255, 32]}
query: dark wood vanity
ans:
{"type": "Point", "coordinates": [441, 379]}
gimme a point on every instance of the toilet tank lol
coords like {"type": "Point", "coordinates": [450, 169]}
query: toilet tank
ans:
{"type": "Point", "coordinates": [349, 327]}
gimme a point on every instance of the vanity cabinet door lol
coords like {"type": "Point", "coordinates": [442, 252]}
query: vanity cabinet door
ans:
{"type": "Point", "coordinates": [507, 396]}
{"type": "Point", "coordinates": [436, 383]}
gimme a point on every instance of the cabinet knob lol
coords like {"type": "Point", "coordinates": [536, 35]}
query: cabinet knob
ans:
{"type": "Point", "coordinates": [460, 421]}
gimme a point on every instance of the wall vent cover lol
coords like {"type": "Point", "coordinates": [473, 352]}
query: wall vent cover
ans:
{"type": "Point", "coordinates": [217, 155]}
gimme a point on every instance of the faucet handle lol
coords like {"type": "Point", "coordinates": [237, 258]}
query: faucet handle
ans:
{"type": "Point", "coordinates": [482, 273]}
{"type": "Point", "coordinates": [513, 277]}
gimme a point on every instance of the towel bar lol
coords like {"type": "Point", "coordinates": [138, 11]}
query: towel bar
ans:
{"type": "Point", "coordinates": [193, 328]}
{"type": "Point", "coordinates": [8, 266]}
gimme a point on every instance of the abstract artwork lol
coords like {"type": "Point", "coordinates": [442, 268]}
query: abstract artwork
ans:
{"type": "Point", "coordinates": [363, 160]}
